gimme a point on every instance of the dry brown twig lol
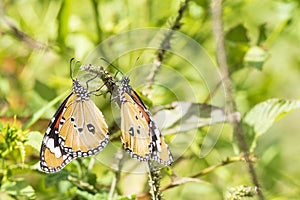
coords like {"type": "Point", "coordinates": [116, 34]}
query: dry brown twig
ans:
{"type": "Point", "coordinates": [216, 9]}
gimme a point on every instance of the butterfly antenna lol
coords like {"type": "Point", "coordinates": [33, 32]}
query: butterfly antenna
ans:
{"type": "Point", "coordinates": [71, 70]}
{"type": "Point", "coordinates": [136, 60]}
{"type": "Point", "coordinates": [116, 68]}
{"type": "Point", "coordinates": [73, 65]}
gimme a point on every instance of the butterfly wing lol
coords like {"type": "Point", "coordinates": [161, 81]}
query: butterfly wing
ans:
{"type": "Point", "coordinates": [84, 131]}
{"type": "Point", "coordinates": [159, 149]}
{"type": "Point", "coordinates": [134, 129]}
{"type": "Point", "coordinates": [140, 135]}
{"type": "Point", "coordinates": [52, 156]}
{"type": "Point", "coordinates": [78, 129]}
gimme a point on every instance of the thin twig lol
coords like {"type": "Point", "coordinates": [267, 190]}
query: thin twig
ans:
{"type": "Point", "coordinates": [180, 181]}
{"type": "Point", "coordinates": [222, 163]}
{"type": "Point", "coordinates": [206, 171]}
{"type": "Point", "coordinates": [154, 181]}
{"type": "Point", "coordinates": [154, 172]}
{"type": "Point", "coordinates": [216, 8]}
{"type": "Point", "coordinates": [33, 44]}
{"type": "Point", "coordinates": [165, 45]}
{"type": "Point", "coordinates": [177, 181]}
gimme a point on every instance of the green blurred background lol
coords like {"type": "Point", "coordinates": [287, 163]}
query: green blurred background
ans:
{"type": "Point", "coordinates": [38, 38]}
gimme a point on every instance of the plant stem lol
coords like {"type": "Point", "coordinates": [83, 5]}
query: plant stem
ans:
{"type": "Point", "coordinates": [154, 181]}
{"type": "Point", "coordinates": [216, 8]}
{"type": "Point", "coordinates": [165, 45]}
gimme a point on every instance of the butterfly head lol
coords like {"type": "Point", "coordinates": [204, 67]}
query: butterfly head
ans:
{"type": "Point", "coordinates": [81, 92]}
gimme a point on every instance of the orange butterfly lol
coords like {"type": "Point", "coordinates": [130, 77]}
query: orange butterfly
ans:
{"type": "Point", "coordinates": [140, 135]}
{"type": "Point", "coordinates": [77, 129]}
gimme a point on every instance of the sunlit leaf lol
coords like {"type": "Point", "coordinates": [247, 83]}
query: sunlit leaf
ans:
{"type": "Point", "coordinates": [34, 139]}
{"type": "Point", "coordinates": [263, 115]}
{"type": "Point", "coordinates": [285, 9]}
{"type": "Point", "coordinates": [185, 116]}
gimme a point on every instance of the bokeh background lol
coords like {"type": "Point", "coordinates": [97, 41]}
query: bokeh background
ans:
{"type": "Point", "coordinates": [38, 39]}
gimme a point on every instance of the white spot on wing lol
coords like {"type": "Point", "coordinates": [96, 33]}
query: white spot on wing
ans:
{"type": "Point", "coordinates": [55, 150]}
{"type": "Point", "coordinates": [158, 145]}
{"type": "Point", "coordinates": [64, 157]}
{"type": "Point", "coordinates": [48, 130]}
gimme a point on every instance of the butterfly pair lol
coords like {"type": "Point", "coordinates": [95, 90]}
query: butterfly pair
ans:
{"type": "Point", "coordinates": [78, 128]}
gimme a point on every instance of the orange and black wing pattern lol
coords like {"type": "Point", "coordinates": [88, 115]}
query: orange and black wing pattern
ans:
{"type": "Point", "coordinates": [52, 156]}
{"type": "Point", "coordinates": [140, 135]}
{"type": "Point", "coordinates": [77, 129]}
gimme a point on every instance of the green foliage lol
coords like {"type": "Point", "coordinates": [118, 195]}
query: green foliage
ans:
{"type": "Point", "coordinates": [19, 189]}
{"type": "Point", "coordinates": [240, 192]}
{"type": "Point", "coordinates": [37, 115]}
{"type": "Point", "coordinates": [38, 38]}
{"type": "Point", "coordinates": [12, 147]}
{"type": "Point", "coordinates": [263, 115]}
{"type": "Point", "coordinates": [11, 139]}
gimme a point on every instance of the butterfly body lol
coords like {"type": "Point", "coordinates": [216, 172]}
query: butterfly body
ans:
{"type": "Point", "coordinates": [77, 129]}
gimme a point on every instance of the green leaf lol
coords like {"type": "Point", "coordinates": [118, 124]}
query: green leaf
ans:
{"type": "Point", "coordinates": [255, 57]}
{"type": "Point", "coordinates": [262, 34]}
{"type": "Point", "coordinates": [263, 115]}
{"type": "Point", "coordinates": [184, 116]}
{"type": "Point", "coordinates": [237, 44]}
{"type": "Point", "coordinates": [34, 139]}
{"type": "Point", "coordinates": [63, 21]}
{"type": "Point", "coordinates": [19, 189]}
{"type": "Point", "coordinates": [53, 179]}
{"type": "Point", "coordinates": [40, 112]}
{"type": "Point", "coordinates": [92, 178]}
{"type": "Point", "coordinates": [44, 90]}
{"type": "Point", "coordinates": [237, 34]}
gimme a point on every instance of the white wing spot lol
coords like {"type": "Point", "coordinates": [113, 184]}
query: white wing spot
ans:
{"type": "Point", "coordinates": [55, 150]}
